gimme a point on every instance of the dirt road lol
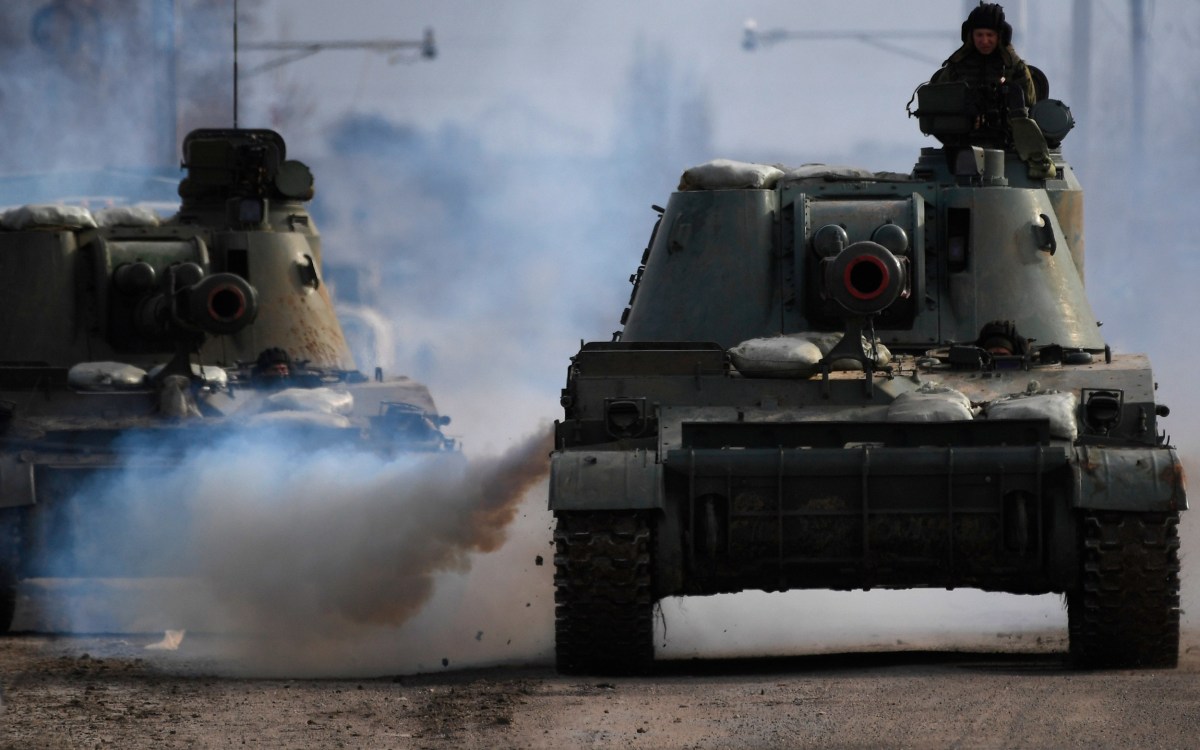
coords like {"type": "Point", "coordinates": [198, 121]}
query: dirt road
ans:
{"type": "Point", "coordinates": [89, 692]}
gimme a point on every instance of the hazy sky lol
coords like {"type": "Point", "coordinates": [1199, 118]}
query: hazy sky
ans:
{"type": "Point", "coordinates": [552, 70]}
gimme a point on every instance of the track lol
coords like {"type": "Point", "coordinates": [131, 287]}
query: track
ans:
{"type": "Point", "coordinates": [603, 593]}
{"type": "Point", "coordinates": [1127, 614]}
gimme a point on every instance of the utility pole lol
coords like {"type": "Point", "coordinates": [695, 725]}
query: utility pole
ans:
{"type": "Point", "coordinates": [166, 30]}
{"type": "Point", "coordinates": [1137, 55]}
{"type": "Point", "coordinates": [1081, 64]}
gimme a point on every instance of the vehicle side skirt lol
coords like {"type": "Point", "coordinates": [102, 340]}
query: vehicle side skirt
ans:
{"type": "Point", "coordinates": [777, 519]}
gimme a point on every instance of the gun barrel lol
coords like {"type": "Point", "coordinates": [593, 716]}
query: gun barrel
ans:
{"type": "Point", "coordinates": [864, 278]}
{"type": "Point", "coordinates": [220, 304]}
{"type": "Point", "coordinates": [188, 302]}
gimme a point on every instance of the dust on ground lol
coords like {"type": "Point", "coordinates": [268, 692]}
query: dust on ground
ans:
{"type": "Point", "coordinates": [1015, 691]}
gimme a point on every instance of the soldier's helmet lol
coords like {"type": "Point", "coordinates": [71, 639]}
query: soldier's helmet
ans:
{"type": "Point", "coordinates": [273, 366]}
{"type": "Point", "coordinates": [988, 16]}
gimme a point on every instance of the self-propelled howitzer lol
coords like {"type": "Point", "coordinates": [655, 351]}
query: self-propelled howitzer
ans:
{"type": "Point", "coordinates": [121, 329]}
{"type": "Point", "coordinates": [835, 378]}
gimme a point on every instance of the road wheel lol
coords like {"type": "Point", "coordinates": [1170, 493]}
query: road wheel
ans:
{"type": "Point", "coordinates": [603, 594]}
{"type": "Point", "coordinates": [1126, 612]}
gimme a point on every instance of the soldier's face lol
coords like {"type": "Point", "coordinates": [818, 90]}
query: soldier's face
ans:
{"type": "Point", "coordinates": [985, 40]}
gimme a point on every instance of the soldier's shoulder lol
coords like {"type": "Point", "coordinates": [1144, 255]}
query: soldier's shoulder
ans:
{"type": "Point", "coordinates": [958, 55]}
{"type": "Point", "coordinates": [1013, 61]}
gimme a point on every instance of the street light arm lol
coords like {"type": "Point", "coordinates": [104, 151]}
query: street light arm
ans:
{"type": "Point", "coordinates": [279, 62]}
{"type": "Point", "coordinates": [375, 45]}
{"type": "Point", "coordinates": [300, 50]}
{"type": "Point", "coordinates": [754, 38]}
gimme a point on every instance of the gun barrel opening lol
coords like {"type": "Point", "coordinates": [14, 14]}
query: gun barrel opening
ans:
{"type": "Point", "coordinates": [866, 277]}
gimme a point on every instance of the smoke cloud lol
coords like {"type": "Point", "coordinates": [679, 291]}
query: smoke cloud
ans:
{"type": "Point", "coordinates": [297, 558]}
{"type": "Point", "coordinates": [320, 543]}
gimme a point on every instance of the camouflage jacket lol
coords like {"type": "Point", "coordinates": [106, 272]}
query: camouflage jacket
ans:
{"type": "Point", "coordinates": [1000, 122]}
{"type": "Point", "coordinates": [1003, 65]}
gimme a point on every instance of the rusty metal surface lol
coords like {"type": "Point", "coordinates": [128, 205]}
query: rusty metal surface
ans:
{"type": "Point", "coordinates": [1138, 479]}
{"type": "Point", "coordinates": [1068, 207]}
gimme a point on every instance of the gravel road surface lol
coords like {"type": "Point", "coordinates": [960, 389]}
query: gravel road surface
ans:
{"type": "Point", "coordinates": [96, 692]}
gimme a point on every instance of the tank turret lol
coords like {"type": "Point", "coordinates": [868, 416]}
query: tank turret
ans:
{"type": "Point", "coordinates": [207, 323]}
{"type": "Point", "coordinates": [830, 377]}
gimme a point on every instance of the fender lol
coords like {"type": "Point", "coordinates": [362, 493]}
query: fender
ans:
{"type": "Point", "coordinates": [605, 480]}
{"type": "Point", "coordinates": [1136, 479]}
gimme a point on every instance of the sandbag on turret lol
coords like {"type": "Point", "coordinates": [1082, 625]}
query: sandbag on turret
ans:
{"type": "Point", "coordinates": [930, 403]}
{"type": "Point", "coordinates": [1057, 406]}
{"type": "Point", "coordinates": [36, 216]}
{"type": "Point", "coordinates": [726, 174]}
{"type": "Point", "coordinates": [795, 355]}
{"type": "Point", "coordinates": [101, 376]}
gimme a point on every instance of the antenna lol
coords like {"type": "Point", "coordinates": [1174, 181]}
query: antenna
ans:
{"type": "Point", "coordinates": [235, 64]}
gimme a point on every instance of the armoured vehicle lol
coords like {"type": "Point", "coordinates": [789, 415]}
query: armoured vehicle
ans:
{"type": "Point", "coordinates": [119, 326]}
{"type": "Point", "coordinates": [776, 412]}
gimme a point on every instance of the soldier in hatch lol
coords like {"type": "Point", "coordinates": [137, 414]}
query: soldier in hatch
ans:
{"type": "Point", "coordinates": [1003, 85]}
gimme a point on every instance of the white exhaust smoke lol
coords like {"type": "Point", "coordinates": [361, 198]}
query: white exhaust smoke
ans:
{"type": "Point", "coordinates": [297, 560]}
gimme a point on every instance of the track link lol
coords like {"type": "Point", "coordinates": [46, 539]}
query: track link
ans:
{"type": "Point", "coordinates": [604, 601]}
{"type": "Point", "coordinates": [1126, 612]}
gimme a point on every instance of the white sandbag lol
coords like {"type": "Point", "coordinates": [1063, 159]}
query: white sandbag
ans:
{"type": "Point", "coordinates": [317, 400]}
{"type": "Point", "coordinates": [824, 341]}
{"type": "Point", "coordinates": [1057, 406]}
{"type": "Point", "coordinates": [103, 376]}
{"type": "Point", "coordinates": [826, 171]}
{"type": "Point", "coordinates": [211, 375]}
{"type": "Point", "coordinates": [776, 357]}
{"type": "Point", "coordinates": [47, 215]}
{"type": "Point", "coordinates": [126, 216]}
{"type": "Point", "coordinates": [725, 174]}
{"type": "Point", "coordinates": [794, 355]}
{"type": "Point", "coordinates": [930, 403]}
{"type": "Point", "coordinates": [881, 357]}
{"type": "Point", "coordinates": [175, 400]}
{"type": "Point", "coordinates": [292, 420]}
{"type": "Point", "coordinates": [827, 341]}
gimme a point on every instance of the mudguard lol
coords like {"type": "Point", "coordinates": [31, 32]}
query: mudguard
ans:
{"type": "Point", "coordinates": [605, 480]}
{"type": "Point", "coordinates": [1135, 479]}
